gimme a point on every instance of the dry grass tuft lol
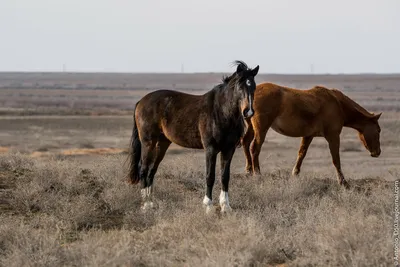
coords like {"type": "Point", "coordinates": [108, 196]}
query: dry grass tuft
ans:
{"type": "Point", "coordinates": [54, 214]}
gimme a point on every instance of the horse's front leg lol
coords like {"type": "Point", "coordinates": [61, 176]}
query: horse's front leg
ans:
{"type": "Point", "coordinates": [211, 158]}
{"type": "Point", "coordinates": [334, 144]}
{"type": "Point", "coordinates": [246, 141]}
{"type": "Point", "coordinates": [226, 158]}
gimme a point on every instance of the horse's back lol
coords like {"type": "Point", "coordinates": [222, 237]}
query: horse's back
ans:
{"type": "Point", "coordinates": [272, 98]}
{"type": "Point", "coordinates": [172, 114]}
{"type": "Point", "coordinates": [298, 112]}
{"type": "Point", "coordinates": [164, 96]}
{"type": "Point", "coordinates": [162, 102]}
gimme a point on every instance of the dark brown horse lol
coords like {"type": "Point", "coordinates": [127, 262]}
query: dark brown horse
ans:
{"type": "Point", "coordinates": [307, 113]}
{"type": "Point", "coordinates": [213, 122]}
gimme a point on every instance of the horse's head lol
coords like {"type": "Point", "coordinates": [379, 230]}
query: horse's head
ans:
{"type": "Point", "coordinates": [245, 87]}
{"type": "Point", "coordinates": [369, 135]}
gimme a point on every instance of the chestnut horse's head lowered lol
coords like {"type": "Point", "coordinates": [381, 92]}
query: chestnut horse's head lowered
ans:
{"type": "Point", "coordinates": [364, 122]}
{"type": "Point", "coordinates": [370, 134]}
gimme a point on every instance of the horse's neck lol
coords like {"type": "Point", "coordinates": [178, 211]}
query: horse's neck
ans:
{"type": "Point", "coordinates": [355, 116]}
{"type": "Point", "coordinates": [226, 107]}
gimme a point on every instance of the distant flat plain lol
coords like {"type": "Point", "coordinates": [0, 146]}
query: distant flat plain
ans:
{"type": "Point", "coordinates": [74, 124]}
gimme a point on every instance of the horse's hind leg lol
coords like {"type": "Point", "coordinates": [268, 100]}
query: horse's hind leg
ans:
{"type": "Point", "coordinates": [147, 157]}
{"type": "Point", "coordinates": [246, 141]}
{"type": "Point", "coordinates": [161, 149]}
{"type": "Point", "coordinates": [305, 143]}
{"type": "Point", "coordinates": [211, 158]}
{"type": "Point", "coordinates": [158, 155]}
{"type": "Point", "coordinates": [334, 144]}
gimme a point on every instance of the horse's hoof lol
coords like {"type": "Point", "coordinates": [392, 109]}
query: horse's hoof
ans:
{"type": "Point", "coordinates": [345, 184]}
{"type": "Point", "coordinates": [248, 174]}
{"type": "Point", "coordinates": [148, 205]}
{"type": "Point", "coordinates": [295, 172]}
{"type": "Point", "coordinates": [208, 204]}
{"type": "Point", "coordinates": [209, 209]}
{"type": "Point", "coordinates": [225, 208]}
{"type": "Point", "coordinates": [129, 182]}
{"type": "Point", "coordinates": [248, 171]}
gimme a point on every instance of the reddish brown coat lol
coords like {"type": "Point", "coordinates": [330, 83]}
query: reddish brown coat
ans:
{"type": "Point", "coordinates": [308, 113]}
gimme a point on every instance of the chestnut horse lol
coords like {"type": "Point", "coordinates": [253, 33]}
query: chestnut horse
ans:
{"type": "Point", "coordinates": [316, 112]}
{"type": "Point", "coordinates": [213, 122]}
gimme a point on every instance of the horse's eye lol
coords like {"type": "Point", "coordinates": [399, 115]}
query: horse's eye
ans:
{"type": "Point", "coordinates": [248, 83]}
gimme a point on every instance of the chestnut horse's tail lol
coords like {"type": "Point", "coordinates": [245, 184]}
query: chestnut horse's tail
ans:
{"type": "Point", "coordinates": [134, 153]}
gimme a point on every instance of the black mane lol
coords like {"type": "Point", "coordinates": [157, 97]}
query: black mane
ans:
{"type": "Point", "coordinates": [241, 64]}
{"type": "Point", "coordinates": [226, 79]}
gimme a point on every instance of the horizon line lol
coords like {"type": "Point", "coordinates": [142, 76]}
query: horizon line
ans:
{"type": "Point", "coordinates": [205, 72]}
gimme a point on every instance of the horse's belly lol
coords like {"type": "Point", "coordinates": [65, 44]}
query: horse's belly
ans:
{"type": "Point", "coordinates": [184, 137]}
{"type": "Point", "coordinates": [295, 128]}
{"type": "Point", "coordinates": [188, 143]}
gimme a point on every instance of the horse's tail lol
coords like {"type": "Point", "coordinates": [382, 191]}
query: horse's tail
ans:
{"type": "Point", "coordinates": [134, 153]}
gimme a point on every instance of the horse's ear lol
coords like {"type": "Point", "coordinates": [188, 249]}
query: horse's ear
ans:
{"type": "Point", "coordinates": [377, 116]}
{"type": "Point", "coordinates": [240, 69]}
{"type": "Point", "coordinates": [255, 71]}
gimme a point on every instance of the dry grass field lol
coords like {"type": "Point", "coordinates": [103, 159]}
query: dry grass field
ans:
{"type": "Point", "coordinates": [64, 200]}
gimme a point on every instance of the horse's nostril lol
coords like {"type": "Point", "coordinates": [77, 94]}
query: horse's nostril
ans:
{"type": "Point", "coordinates": [245, 112]}
{"type": "Point", "coordinates": [376, 154]}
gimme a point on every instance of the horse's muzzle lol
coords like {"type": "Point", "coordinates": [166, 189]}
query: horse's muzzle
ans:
{"type": "Point", "coordinates": [375, 154]}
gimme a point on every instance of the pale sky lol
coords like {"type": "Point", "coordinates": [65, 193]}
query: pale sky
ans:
{"type": "Point", "coordinates": [282, 36]}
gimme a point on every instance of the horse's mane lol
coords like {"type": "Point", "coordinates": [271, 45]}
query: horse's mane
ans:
{"type": "Point", "coordinates": [227, 79]}
{"type": "Point", "coordinates": [348, 102]}
{"type": "Point", "coordinates": [228, 82]}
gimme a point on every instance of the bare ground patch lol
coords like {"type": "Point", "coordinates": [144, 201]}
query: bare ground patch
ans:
{"type": "Point", "coordinates": [4, 149]}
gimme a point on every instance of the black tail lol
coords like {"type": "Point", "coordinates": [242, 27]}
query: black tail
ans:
{"type": "Point", "coordinates": [134, 153]}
